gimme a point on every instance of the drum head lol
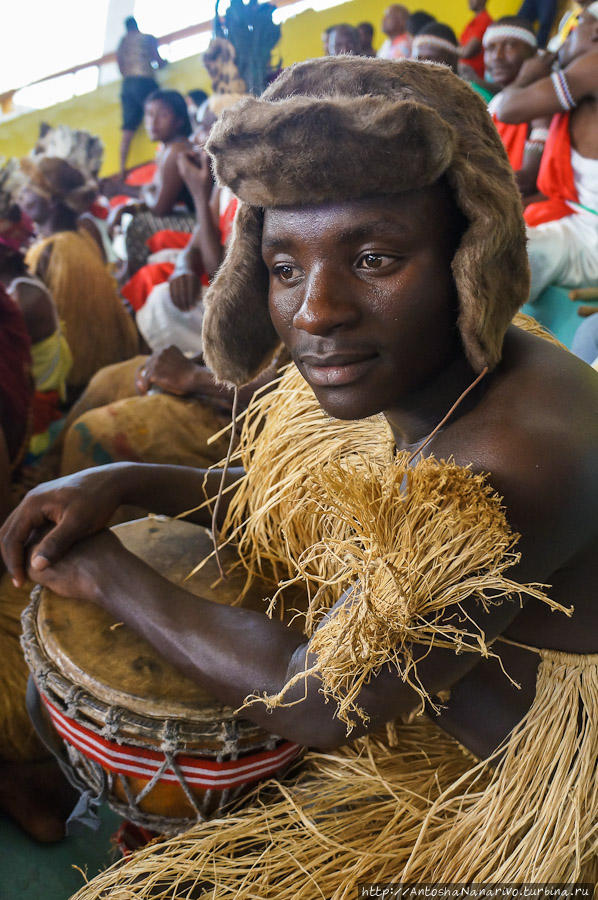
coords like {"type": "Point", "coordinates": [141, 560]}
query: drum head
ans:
{"type": "Point", "coordinates": [117, 666]}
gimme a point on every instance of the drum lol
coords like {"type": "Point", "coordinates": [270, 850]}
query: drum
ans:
{"type": "Point", "coordinates": [137, 732]}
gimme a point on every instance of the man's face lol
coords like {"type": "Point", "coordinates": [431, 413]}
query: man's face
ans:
{"type": "Point", "coordinates": [160, 121]}
{"type": "Point", "coordinates": [581, 40]}
{"type": "Point", "coordinates": [434, 53]}
{"type": "Point", "coordinates": [362, 294]}
{"type": "Point", "coordinates": [34, 205]}
{"type": "Point", "coordinates": [394, 21]}
{"type": "Point", "coordinates": [504, 56]}
{"type": "Point", "coordinates": [343, 40]}
{"type": "Point", "coordinates": [477, 6]}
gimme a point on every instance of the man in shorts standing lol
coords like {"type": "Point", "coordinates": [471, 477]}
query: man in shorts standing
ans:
{"type": "Point", "coordinates": [137, 56]}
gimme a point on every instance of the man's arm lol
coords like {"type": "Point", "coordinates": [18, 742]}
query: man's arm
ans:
{"type": "Point", "coordinates": [533, 92]}
{"type": "Point", "coordinates": [155, 53]}
{"type": "Point", "coordinates": [161, 196]}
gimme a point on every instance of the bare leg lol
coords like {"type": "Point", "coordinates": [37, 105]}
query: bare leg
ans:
{"type": "Point", "coordinates": [125, 143]}
{"type": "Point", "coordinates": [38, 797]}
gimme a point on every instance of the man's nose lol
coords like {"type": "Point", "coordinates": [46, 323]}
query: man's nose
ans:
{"type": "Point", "coordinates": [326, 305]}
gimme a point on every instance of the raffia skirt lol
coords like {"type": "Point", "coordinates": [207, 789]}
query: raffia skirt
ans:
{"type": "Point", "coordinates": [409, 806]}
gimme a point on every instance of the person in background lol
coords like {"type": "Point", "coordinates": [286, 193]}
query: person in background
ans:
{"type": "Point", "coordinates": [398, 40]}
{"type": "Point", "coordinates": [417, 21]}
{"type": "Point", "coordinates": [166, 202]}
{"type": "Point", "coordinates": [343, 39]}
{"type": "Point", "coordinates": [562, 229]}
{"type": "Point", "coordinates": [365, 31]}
{"type": "Point", "coordinates": [70, 264]}
{"type": "Point", "coordinates": [508, 43]}
{"type": "Point", "coordinates": [543, 12]}
{"type": "Point", "coordinates": [137, 57]}
{"type": "Point", "coordinates": [437, 43]}
{"type": "Point", "coordinates": [472, 36]}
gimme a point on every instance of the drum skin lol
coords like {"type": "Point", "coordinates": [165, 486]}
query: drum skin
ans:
{"type": "Point", "coordinates": [104, 682]}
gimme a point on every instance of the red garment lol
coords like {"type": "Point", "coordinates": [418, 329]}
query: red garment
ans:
{"type": "Point", "coordinates": [16, 382]}
{"type": "Point", "coordinates": [476, 28]}
{"type": "Point", "coordinates": [98, 210]}
{"type": "Point", "coordinates": [226, 220]}
{"type": "Point", "coordinates": [138, 288]}
{"type": "Point", "coordinates": [142, 174]}
{"type": "Point", "coordinates": [45, 409]}
{"type": "Point", "coordinates": [168, 239]}
{"type": "Point", "coordinates": [513, 138]}
{"type": "Point", "coordinates": [555, 178]}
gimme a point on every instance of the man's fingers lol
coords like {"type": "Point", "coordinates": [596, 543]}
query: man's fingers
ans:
{"type": "Point", "coordinates": [56, 543]}
{"type": "Point", "coordinates": [14, 536]}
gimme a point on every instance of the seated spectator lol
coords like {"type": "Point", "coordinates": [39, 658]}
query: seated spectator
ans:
{"type": "Point", "coordinates": [508, 43]}
{"type": "Point", "coordinates": [542, 12]}
{"type": "Point", "coordinates": [563, 229]}
{"type": "Point", "coordinates": [51, 357]}
{"type": "Point", "coordinates": [32, 789]}
{"type": "Point", "coordinates": [365, 32]}
{"type": "Point", "coordinates": [472, 36]}
{"type": "Point", "coordinates": [398, 40]}
{"type": "Point", "coordinates": [417, 21]}
{"type": "Point", "coordinates": [178, 252]}
{"type": "Point", "coordinates": [343, 39]}
{"type": "Point", "coordinates": [165, 203]}
{"type": "Point", "coordinates": [437, 43]}
{"type": "Point", "coordinates": [69, 263]}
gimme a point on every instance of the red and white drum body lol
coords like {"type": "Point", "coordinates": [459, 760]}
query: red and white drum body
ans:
{"type": "Point", "coordinates": [162, 752]}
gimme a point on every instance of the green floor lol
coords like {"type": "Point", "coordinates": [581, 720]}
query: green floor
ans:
{"type": "Point", "coordinates": [31, 871]}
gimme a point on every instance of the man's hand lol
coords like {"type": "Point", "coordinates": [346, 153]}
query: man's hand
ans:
{"type": "Point", "coordinates": [79, 573]}
{"type": "Point", "coordinates": [185, 289]}
{"type": "Point", "coordinates": [535, 68]}
{"type": "Point", "coordinates": [170, 371]}
{"type": "Point", "coordinates": [195, 170]}
{"type": "Point", "coordinates": [56, 515]}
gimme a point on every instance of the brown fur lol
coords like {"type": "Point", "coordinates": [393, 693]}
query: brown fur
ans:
{"type": "Point", "coordinates": [345, 127]}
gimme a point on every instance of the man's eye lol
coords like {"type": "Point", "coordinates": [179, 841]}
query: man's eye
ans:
{"type": "Point", "coordinates": [374, 261]}
{"type": "Point", "coordinates": [285, 271]}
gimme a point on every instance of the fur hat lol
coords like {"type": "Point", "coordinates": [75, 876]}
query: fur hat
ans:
{"type": "Point", "coordinates": [348, 127]}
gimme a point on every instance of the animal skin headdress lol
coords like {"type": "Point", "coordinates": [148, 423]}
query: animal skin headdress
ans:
{"type": "Point", "coordinates": [348, 127]}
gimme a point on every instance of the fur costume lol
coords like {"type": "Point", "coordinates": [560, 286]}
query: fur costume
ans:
{"type": "Point", "coordinates": [401, 126]}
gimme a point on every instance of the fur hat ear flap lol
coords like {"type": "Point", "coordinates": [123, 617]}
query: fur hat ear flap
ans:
{"type": "Point", "coordinates": [239, 339]}
{"type": "Point", "coordinates": [490, 266]}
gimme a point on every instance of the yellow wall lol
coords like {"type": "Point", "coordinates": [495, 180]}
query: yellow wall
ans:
{"type": "Point", "coordinates": [99, 112]}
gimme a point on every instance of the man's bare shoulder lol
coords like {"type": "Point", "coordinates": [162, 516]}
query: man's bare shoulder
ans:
{"type": "Point", "coordinates": [535, 433]}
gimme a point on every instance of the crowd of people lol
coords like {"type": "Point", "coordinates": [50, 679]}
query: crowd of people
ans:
{"type": "Point", "coordinates": [366, 227]}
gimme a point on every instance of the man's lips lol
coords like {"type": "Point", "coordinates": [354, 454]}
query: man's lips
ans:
{"type": "Point", "coordinates": [337, 369]}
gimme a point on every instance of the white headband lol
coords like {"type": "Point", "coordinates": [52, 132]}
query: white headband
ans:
{"type": "Point", "coordinates": [509, 31]}
{"type": "Point", "coordinates": [592, 9]}
{"type": "Point", "coordinates": [432, 41]}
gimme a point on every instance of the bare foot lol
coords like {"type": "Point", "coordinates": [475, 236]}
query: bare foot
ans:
{"type": "Point", "coordinates": [38, 797]}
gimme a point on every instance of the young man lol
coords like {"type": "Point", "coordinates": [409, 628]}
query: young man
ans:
{"type": "Point", "coordinates": [437, 43]}
{"type": "Point", "coordinates": [392, 283]}
{"type": "Point", "coordinates": [473, 35]}
{"type": "Point", "coordinates": [563, 232]}
{"type": "Point", "coordinates": [398, 40]}
{"type": "Point", "coordinates": [343, 39]}
{"type": "Point", "coordinates": [508, 43]}
{"type": "Point", "coordinates": [138, 57]}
